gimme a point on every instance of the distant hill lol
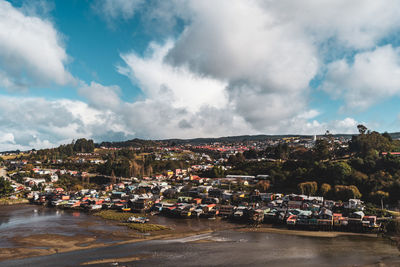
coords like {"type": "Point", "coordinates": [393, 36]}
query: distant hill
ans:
{"type": "Point", "coordinates": [197, 141]}
{"type": "Point", "coordinates": [231, 139]}
{"type": "Point", "coordinates": [395, 135]}
{"type": "Point", "coordinates": [130, 143]}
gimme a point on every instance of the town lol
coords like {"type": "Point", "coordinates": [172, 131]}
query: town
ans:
{"type": "Point", "coordinates": [236, 180]}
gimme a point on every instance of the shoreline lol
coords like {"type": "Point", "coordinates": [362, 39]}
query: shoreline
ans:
{"type": "Point", "coordinates": [306, 233]}
{"type": "Point", "coordinates": [10, 202]}
{"type": "Point", "coordinates": [52, 240]}
{"type": "Point", "coordinates": [47, 244]}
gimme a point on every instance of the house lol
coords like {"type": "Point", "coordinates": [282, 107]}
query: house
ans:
{"type": "Point", "coordinates": [54, 178]}
{"type": "Point", "coordinates": [197, 200]}
{"type": "Point", "coordinates": [325, 217]}
{"type": "Point", "coordinates": [215, 192]}
{"type": "Point", "coordinates": [226, 210]}
{"type": "Point", "coordinates": [34, 181]}
{"type": "Point", "coordinates": [291, 220]}
{"type": "Point", "coordinates": [294, 204]}
{"type": "Point", "coordinates": [118, 195]}
{"type": "Point", "coordinates": [185, 199]}
{"type": "Point", "coordinates": [226, 196]}
{"type": "Point", "coordinates": [356, 204]}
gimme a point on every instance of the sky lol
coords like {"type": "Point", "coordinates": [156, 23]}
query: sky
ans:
{"type": "Point", "coordinates": [113, 70]}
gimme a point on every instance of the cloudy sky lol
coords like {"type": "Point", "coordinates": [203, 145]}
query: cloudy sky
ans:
{"type": "Point", "coordinates": [119, 69]}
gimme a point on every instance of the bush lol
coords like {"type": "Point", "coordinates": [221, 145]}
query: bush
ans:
{"type": "Point", "coordinates": [116, 215]}
{"type": "Point", "coordinates": [145, 227]}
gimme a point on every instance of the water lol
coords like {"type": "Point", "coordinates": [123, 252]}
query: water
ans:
{"type": "Point", "coordinates": [25, 220]}
{"type": "Point", "coordinates": [221, 248]}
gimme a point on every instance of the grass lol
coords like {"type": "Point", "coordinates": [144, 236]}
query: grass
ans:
{"type": "Point", "coordinates": [9, 157]}
{"type": "Point", "coordinates": [116, 215]}
{"type": "Point", "coordinates": [123, 217]}
{"type": "Point", "coordinates": [145, 227]}
{"type": "Point", "coordinates": [394, 213]}
{"type": "Point", "coordinates": [371, 209]}
{"type": "Point", "coordinates": [6, 201]}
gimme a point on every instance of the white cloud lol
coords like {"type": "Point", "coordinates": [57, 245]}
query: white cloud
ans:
{"type": "Point", "coordinates": [267, 65]}
{"type": "Point", "coordinates": [239, 67]}
{"type": "Point", "coordinates": [239, 41]}
{"type": "Point", "coordinates": [178, 86]}
{"type": "Point", "coordinates": [357, 24]}
{"type": "Point", "coordinates": [101, 96]}
{"type": "Point", "coordinates": [29, 122]}
{"type": "Point", "coordinates": [31, 53]}
{"type": "Point", "coordinates": [261, 57]}
{"type": "Point", "coordinates": [372, 77]}
{"type": "Point", "coordinates": [113, 9]}
{"type": "Point", "coordinates": [170, 108]}
{"type": "Point", "coordinates": [7, 138]}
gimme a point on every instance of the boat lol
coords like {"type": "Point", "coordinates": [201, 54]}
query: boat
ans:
{"type": "Point", "coordinates": [134, 219]}
{"type": "Point", "coordinates": [95, 207]}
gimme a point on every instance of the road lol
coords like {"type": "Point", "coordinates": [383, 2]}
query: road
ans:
{"type": "Point", "coordinates": [3, 173]}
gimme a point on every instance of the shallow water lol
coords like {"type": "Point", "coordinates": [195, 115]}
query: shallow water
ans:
{"type": "Point", "coordinates": [24, 220]}
{"type": "Point", "coordinates": [223, 248]}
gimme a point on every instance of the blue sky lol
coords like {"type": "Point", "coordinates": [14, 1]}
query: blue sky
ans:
{"type": "Point", "coordinates": [117, 69]}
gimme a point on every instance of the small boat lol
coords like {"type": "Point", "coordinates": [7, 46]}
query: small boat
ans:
{"type": "Point", "coordinates": [95, 207]}
{"type": "Point", "coordinates": [134, 219]}
{"type": "Point", "coordinates": [126, 209]}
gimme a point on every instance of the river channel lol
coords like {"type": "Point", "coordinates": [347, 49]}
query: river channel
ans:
{"type": "Point", "coordinates": [218, 248]}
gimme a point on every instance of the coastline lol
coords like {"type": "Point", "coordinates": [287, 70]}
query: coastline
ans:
{"type": "Point", "coordinates": [52, 243]}
{"type": "Point", "coordinates": [9, 202]}
{"type": "Point", "coordinates": [34, 245]}
{"type": "Point", "coordinates": [276, 230]}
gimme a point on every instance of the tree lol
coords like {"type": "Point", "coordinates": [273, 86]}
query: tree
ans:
{"type": "Point", "coordinates": [27, 167]}
{"type": "Point", "coordinates": [369, 143]}
{"type": "Point", "coordinates": [325, 189]}
{"type": "Point", "coordinates": [282, 151]}
{"type": "Point", "coordinates": [379, 196]}
{"type": "Point", "coordinates": [83, 145]}
{"type": "Point", "coordinates": [361, 129]}
{"type": "Point", "coordinates": [344, 192]}
{"type": "Point", "coordinates": [387, 136]}
{"type": "Point", "coordinates": [263, 185]}
{"type": "Point", "coordinates": [308, 188]}
{"type": "Point", "coordinates": [340, 171]}
{"type": "Point", "coordinates": [240, 158]}
{"type": "Point", "coordinates": [232, 160]}
{"type": "Point", "coordinates": [218, 172]}
{"type": "Point", "coordinates": [322, 149]}
{"type": "Point", "coordinates": [250, 154]}
{"type": "Point", "coordinates": [5, 187]}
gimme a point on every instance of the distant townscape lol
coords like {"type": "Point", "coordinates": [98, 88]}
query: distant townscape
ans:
{"type": "Point", "coordinates": [326, 182]}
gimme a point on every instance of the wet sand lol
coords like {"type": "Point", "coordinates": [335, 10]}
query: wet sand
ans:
{"type": "Point", "coordinates": [42, 245]}
{"type": "Point", "coordinates": [284, 231]}
{"type": "Point", "coordinates": [46, 244]}
{"type": "Point", "coordinates": [115, 260]}
{"type": "Point", "coordinates": [33, 231]}
{"type": "Point", "coordinates": [230, 247]}
{"type": "Point", "coordinates": [67, 231]}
